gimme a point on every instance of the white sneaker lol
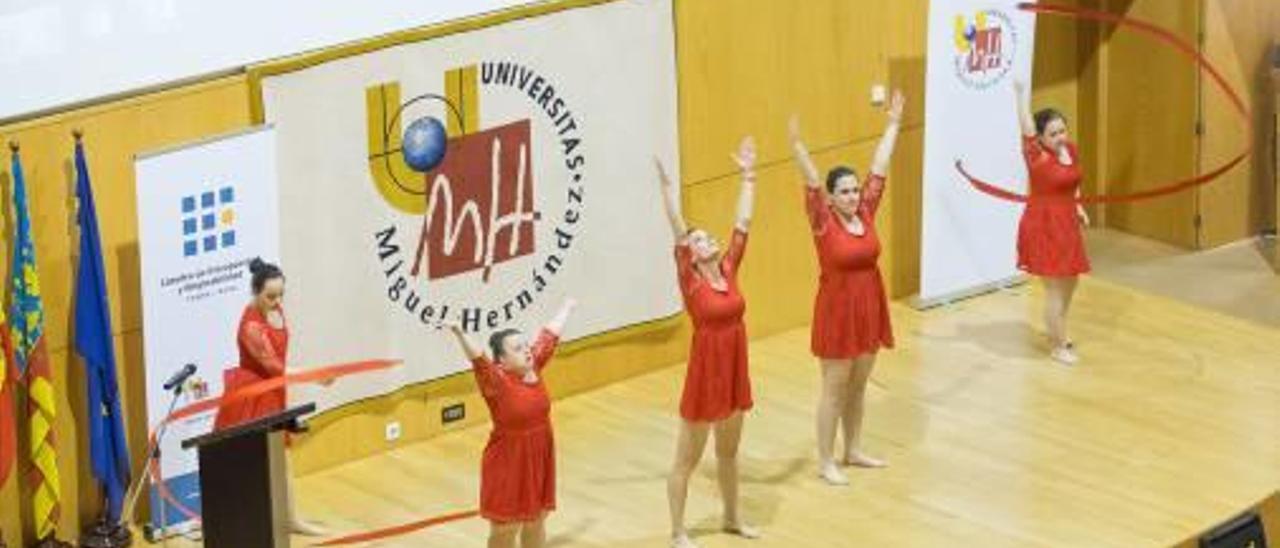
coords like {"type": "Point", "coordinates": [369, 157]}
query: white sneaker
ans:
{"type": "Point", "coordinates": [682, 541]}
{"type": "Point", "coordinates": [832, 474]}
{"type": "Point", "coordinates": [1064, 355]}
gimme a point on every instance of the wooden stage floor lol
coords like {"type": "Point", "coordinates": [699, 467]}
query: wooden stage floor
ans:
{"type": "Point", "coordinates": [1170, 424]}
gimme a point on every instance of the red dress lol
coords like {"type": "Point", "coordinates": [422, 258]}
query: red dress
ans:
{"type": "Point", "coordinates": [1050, 242]}
{"type": "Point", "coordinates": [518, 471]}
{"type": "Point", "coordinates": [716, 382]}
{"type": "Point", "coordinates": [263, 348]}
{"type": "Point", "coordinates": [851, 312]}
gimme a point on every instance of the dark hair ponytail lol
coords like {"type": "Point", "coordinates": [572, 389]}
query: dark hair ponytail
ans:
{"type": "Point", "coordinates": [496, 340]}
{"type": "Point", "coordinates": [836, 174]}
{"type": "Point", "coordinates": [262, 272]}
{"type": "Point", "coordinates": [1046, 116]}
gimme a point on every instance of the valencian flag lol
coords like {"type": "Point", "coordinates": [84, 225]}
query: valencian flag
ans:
{"type": "Point", "coordinates": [109, 454]}
{"type": "Point", "coordinates": [26, 329]}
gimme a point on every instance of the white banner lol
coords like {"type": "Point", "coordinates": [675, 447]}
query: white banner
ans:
{"type": "Point", "coordinates": [204, 212]}
{"type": "Point", "coordinates": [976, 50]}
{"type": "Point", "coordinates": [546, 189]}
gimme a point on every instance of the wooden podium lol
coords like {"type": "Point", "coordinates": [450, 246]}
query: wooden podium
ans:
{"type": "Point", "coordinates": [243, 482]}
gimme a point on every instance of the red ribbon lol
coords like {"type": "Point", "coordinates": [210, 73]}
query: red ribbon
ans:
{"type": "Point", "coordinates": [317, 375]}
{"type": "Point", "coordinates": [1181, 46]}
{"type": "Point", "coordinates": [398, 530]}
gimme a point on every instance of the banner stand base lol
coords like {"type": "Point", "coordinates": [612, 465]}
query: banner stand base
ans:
{"type": "Point", "coordinates": [969, 293]}
{"type": "Point", "coordinates": [155, 534]}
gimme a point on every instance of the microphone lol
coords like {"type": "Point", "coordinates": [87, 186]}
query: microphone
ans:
{"type": "Point", "coordinates": [182, 375]}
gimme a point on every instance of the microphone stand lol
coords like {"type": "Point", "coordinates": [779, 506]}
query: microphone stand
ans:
{"type": "Point", "coordinates": [153, 456]}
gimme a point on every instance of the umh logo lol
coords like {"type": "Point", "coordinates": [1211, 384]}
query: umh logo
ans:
{"type": "Point", "coordinates": [468, 190]}
{"type": "Point", "coordinates": [474, 227]}
{"type": "Point", "coordinates": [985, 48]}
{"type": "Point", "coordinates": [208, 221]}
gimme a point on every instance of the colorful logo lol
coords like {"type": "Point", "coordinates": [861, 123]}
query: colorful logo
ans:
{"type": "Point", "coordinates": [208, 221]}
{"type": "Point", "coordinates": [197, 388]}
{"type": "Point", "coordinates": [985, 48]}
{"type": "Point", "coordinates": [467, 194]}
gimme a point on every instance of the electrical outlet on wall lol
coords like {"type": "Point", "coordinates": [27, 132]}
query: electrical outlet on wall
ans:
{"type": "Point", "coordinates": [879, 94]}
{"type": "Point", "coordinates": [452, 413]}
{"type": "Point", "coordinates": [393, 431]}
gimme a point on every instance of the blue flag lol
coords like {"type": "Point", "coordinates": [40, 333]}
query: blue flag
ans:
{"type": "Point", "coordinates": [93, 340]}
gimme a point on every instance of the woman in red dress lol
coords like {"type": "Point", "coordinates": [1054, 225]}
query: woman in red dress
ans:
{"type": "Point", "coordinates": [263, 340]}
{"type": "Point", "coordinates": [717, 387]}
{"type": "Point", "coordinates": [851, 311]}
{"type": "Point", "coordinates": [1050, 236]}
{"type": "Point", "coordinates": [518, 471]}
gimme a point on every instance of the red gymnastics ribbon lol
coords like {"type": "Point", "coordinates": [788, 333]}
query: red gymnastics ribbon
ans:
{"type": "Point", "coordinates": [317, 375]}
{"type": "Point", "coordinates": [259, 388]}
{"type": "Point", "coordinates": [1181, 46]}
{"type": "Point", "coordinates": [398, 530]}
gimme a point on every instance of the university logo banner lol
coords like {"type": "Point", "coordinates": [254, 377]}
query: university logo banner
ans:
{"type": "Point", "coordinates": [476, 177]}
{"type": "Point", "coordinates": [977, 48]}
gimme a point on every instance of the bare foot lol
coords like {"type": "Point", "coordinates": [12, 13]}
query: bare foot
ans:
{"type": "Point", "coordinates": [861, 460]}
{"type": "Point", "coordinates": [831, 474]}
{"type": "Point", "coordinates": [743, 530]}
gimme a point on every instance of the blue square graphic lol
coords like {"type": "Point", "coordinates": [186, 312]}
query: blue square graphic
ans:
{"type": "Point", "coordinates": [207, 221]}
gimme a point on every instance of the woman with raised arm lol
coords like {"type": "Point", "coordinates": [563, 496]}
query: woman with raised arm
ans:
{"type": "Point", "coordinates": [851, 311]}
{"type": "Point", "coordinates": [717, 386]}
{"type": "Point", "coordinates": [1050, 235]}
{"type": "Point", "coordinates": [518, 470]}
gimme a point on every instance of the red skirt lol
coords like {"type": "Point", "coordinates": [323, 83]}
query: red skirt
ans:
{"type": "Point", "coordinates": [1050, 241]}
{"type": "Point", "coordinates": [716, 381]}
{"type": "Point", "coordinates": [518, 475]}
{"type": "Point", "coordinates": [850, 315]}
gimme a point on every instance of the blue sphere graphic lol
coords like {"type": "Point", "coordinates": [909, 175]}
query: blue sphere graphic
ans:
{"type": "Point", "coordinates": [424, 145]}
